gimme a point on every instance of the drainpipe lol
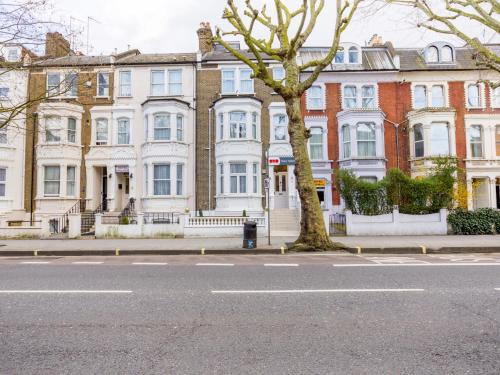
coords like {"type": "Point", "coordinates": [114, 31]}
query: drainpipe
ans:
{"type": "Point", "coordinates": [33, 156]}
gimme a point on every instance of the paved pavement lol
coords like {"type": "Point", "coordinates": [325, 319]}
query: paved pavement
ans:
{"type": "Point", "coordinates": [292, 314]}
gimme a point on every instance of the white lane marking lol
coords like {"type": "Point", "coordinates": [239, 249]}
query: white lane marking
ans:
{"type": "Point", "coordinates": [215, 264]}
{"type": "Point", "coordinates": [65, 291]}
{"type": "Point", "coordinates": [396, 259]}
{"type": "Point", "coordinates": [304, 291]}
{"type": "Point", "coordinates": [497, 289]}
{"type": "Point", "coordinates": [281, 265]}
{"type": "Point", "coordinates": [87, 263]}
{"type": "Point", "coordinates": [35, 262]}
{"type": "Point", "coordinates": [415, 264]}
{"type": "Point", "coordinates": [148, 264]}
{"type": "Point", "coordinates": [467, 258]}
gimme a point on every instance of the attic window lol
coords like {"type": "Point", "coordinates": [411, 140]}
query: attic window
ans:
{"type": "Point", "coordinates": [439, 53]}
{"type": "Point", "coordinates": [13, 55]}
{"type": "Point", "coordinates": [446, 54]}
{"type": "Point", "coordinates": [432, 55]}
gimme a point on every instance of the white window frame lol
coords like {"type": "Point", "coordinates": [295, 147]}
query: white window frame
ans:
{"type": "Point", "coordinates": [278, 125]}
{"type": "Point", "coordinates": [4, 136]}
{"type": "Point", "coordinates": [13, 55]}
{"type": "Point", "coordinates": [497, 140]}
{"type": "Point", "coordinates": [346, 143]}
{"type": "Point", "coordinates": [279, 74]}
{"type": "Point", "coordinates": [104, 140]}
{"type": "Point", "coordinates": [120, 132]}
{"type": "Point", "coordinates": [236, 81]}
{"type": "Point", "coordinates": [179, 184]}
{"type": "Point", "coordinates": [420, 141]}
{"type": "Point", "coordinates": [167, 127]}
{"type": "Point", "coordinates": [72, 133]}
{"type": "Point", "coordinates": [425, 99]}
{"type": "Point", "coordinates": [321, 144]}
{"type": "Point", "coordinates": [358, 55]}
{"type": "Point", "coordinates": [160, 86]}
{"type": "Point", "coordinates": [220, 170]}
{"type": "Point", "coordinates": [67, 84]}
{"type": "Point", "coordinates": [319, 98]}
{"type": "Point", "coordinates": [4, 92]}
{"type": "Point", "coordinates": [480, 90]}
{"type": "Point", "coordinates": [255, 125]}
{"type": "Point", "coordinates": [433, 97]}
{"type": "Point", "coordinates": [341, 54]}
{"type": "Point", "coordinates": [104, 86]}
{"type": "Point", "coordinates": [255, 178]}
{"type": "Point", "coordinates": [71, 184]}
{"type": "Point", "coordinates": [372, 98]}
{"type": "Point", "coordinates": [225, 79]}
{"type": "Point", "coordinates": [167, 180]}
{"type": "Point", "coordinates": [45, 181]}
{"type": "Point", "coordinates": [125, 89]}
{"type": "Point", "coordinates": [371, 141]}
{"type": "Point", "coordinates": [239, 127]}
{"type": "Point", "coordinates": [239, 177]}
{"type": "Point", "coordinates": [479, 142]}
{"type": "Point", "coordinates": [220, 119]}
{"type": "Point", "coordinates": [179, 123]}
{"type": "Point", "coordinates": [174, 87]}
{"type": "Point", "coordinates": [431, 146]}
{"type": "Point", "coordinates": [55, 132]}
{"type": "Point", "coordinates": [3, 182]}
{"type": "Point", "coordinates": [495, 97]}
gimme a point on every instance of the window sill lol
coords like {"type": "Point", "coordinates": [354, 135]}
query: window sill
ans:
{"type": "Point", "coordinates": [166, 96]}
{"type": "Point", "coordinates": [124, 97]}
{"type": "Point", "coordinates": [165, 197]}
{"type": "Point", "coordinates": [102, 97]}
{"type": "Point", "coordinates": [59, 144]}
{"type": "Point", "coordinates": [316, 109]}
{"type": "Point", "coordinates": [164, 142]}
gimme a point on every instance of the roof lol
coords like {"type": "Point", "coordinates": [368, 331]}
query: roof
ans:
{"type": "Point", "coordinates": [74, 60]}
{"type": "Point", "coordinates": [158, 58]}
{"type": "Point", "coordinates": [413, 59]}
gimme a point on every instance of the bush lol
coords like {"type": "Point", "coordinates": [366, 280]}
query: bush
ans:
{"type": "Point", "coordinates": [413, 196]}
{"type": "Point", "coordinates": [482, 221]}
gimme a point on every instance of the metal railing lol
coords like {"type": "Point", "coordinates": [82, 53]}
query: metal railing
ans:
{"type": "Point", "coordinates": [338, 224]}
{"type": "Point", "coordinates": [161, 218]}
{"type": "Point", "coordinates": [225, 221]}
{"type": "Point", "coordinates": [128, 215]}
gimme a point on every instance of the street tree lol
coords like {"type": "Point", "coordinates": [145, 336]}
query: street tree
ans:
{"type": "Point", "coordinates": [286, 31]}
{"type": "Point", "coordinates": [449, 16]}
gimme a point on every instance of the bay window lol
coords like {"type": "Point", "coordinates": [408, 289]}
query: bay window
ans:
{"type": "Point", "coordinates": [350, 97]}
{"type": "Point", "coordinates": [418, 141]}
{"type": "Point", "coordinates": [346, 141]}
{"type": "Point", "coordinates": [161, 179]}
{"type": "Point", "coordinates": [125, 89]}
{"type": "Point", "coordinates": [175, 82]}
{"type": "Point", "coordinates": [419, 97]}
{"type": "Point", "coordinates": [316, 144]}
{"type": "Point", "coordinates": [3, 136]}
{"type": "Point", "coordinates": [70, 181]}
{"type": "Point", "coordinates": [3, 181]}
{"type": "Point", "coordinates": [71, 130]}
{"type": "Point", "coordinates": [180, 128]}
{"type": "Point", "coordinates": [238, 125]}
{"type": "Point", "coordinates": [101, 132]}
{"type": "Point", "coordinates": [221, 126]}
{"type": "Point", "coordinates": [103, 84]}
{"type": "Point", "coordinates": [162, 127]}
{"type": "Point", "coordinates": [473, 96]}
{"type": "Point", "coordinates": [315, 99]}
{"type": "Point", "coordinates": [238, 178]}
{"type": "Point", "coordinates": [123, 131]}
{"type": "Point", "coordinates": [495, 97]}
{"type": "Point", "coordinates": [497, 139]}
{"type": "Point", "coordinates": [366, 139]}
{"type": "Point", "coordinates": [221, 178]}
{"type": "Point", "coordinates": [440, 139]}
{"type": "Point", "coordinates": [180, 177]}
{"type": "Point", "coordinates": [280, 125]}
{"type": "Point", "coordinates": [52, 129]}
{"type": "Point", "coordinates": [52, 176]}
{"type": "Point", "coordinates": [255, 177]}
{"type": "Point", "coordinates": [438, 96]}
{"type": "Point", "coordinates": [254, 125]}
{"type": "Point", "coordinates": [476, 141]}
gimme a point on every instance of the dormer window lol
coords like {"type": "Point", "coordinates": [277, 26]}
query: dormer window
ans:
{"type": "Point", "coordinates": [446, 54]}
{"type": "Point", "coordinates": [353, 55]}
{"type": "Point", "coordinates": [13, 55]}
{"type": "Point", "coordinates": [432, 55]}
{"type": "Point", "coordinates": [339, 57]}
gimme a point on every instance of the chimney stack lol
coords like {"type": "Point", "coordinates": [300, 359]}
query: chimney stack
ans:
{"type": "Point", "coordinates": [205, 38]}
{"type": "Point", "coordinates": [56, 45]}
{"type": "Point", "coordinates": [376, 41]}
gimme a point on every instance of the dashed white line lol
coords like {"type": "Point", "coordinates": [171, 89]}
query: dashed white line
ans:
{"type": "Point", "coordinates": [87, 263]}
{"type": "Point", "coordinates": [281, 265]}
{"type": "Point", "coordinates": [148, 264]}
{"type": "Point", "coordinates": [305, 291]}
{"type": "Point", "coordinates": [65, 291]}
{"type": "Point", "coordinates": [215, 264]}
{"type": "Point", "coordinates": [498, 289]}
{"type": "Point", "coordinates": [35, 262]}
{"type": "Point", "coordinates": [416, 265]}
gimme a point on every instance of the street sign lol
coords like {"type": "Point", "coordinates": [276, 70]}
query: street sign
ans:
{"type": "Point", "coordinates": [282, 160]}
{"type": "Point", "coordinates": [320, 183]}
{"type": "Point", "coordinates": [267, 183]}
{"type": "Point", "coordinates": [121, 169]}
{"type": "Point", "coordinates": [274, 161]}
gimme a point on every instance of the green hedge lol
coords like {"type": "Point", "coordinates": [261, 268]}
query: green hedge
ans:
{"type": "Point", "coordinates": [413, 196]}
{"type": "Point", "coordinates": [482, 221]}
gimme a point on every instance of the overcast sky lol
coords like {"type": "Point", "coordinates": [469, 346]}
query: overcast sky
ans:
{"type": "Point", "coordinates": [170, 25]}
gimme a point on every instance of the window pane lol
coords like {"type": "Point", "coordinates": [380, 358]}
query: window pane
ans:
{"type": "Point", "coordinates": [316, 144]}
{"type": "Point", "coordinates": [161, 178]}
{"type": "Point", "coordinates": [446, 54]}
{"type": "Point", "coordinates": [51, 183]}
{"type": "Point", "coordinates": [103, 84]}
{"type": "Point", "coordinates": [346, 141]}
{"type": "Point", "coordinates": [280, 127]}
{"type": "Point", "coordinates": [234, 184]}
{"type": "Point", "coordinates": [238, 125]}
{"type": "Point", "coordinates": [125, 83]}
{"type": "Point", "coordinates": [3, 174]}
{"type": "Point", "coordinates": [71, 180]}
{"type": "Point", "coordinates": [440, 144]}
{"type": "Point", "coordinates": [157, 83]}
{"type": "Point", "coordinates": [473, 96]}
{"type": "Point", "coordinates": [71, 130]}
{"type": "Point", "coordinates": [102, 130]}
{"type": "Point", "coordinates": [3, 136]}
{"type": "Point", "coordinates": [350, 97]}
{"type": "Point", "coordinates": [179, 178]}
{"type": "Point", "coordinates": [476, 141]}
{"type": "Point", "coordinates": [418, 134]}
{"type": "Point", "coordinates": [339, 57]}
{"type": "Point", "coordinates": [420, 97]}
{"type": "Point", "coordinates": [438, 96]}
{"type": "Point", "coordinates": [123, 132]}
{"type": "Point", "coordinates": [53, 83]}
{"type": "Point", "coordinates": [180, 128]}
{"type": "Point", "coordinates": [315, 97]}
{"type": "Point", "coordinates": [71, 84]}
{"type": "Point", "coordinates": [238, 168]}
{"type": "Point", "coordinates": [495, 97]}
{"type": "Point", "coordinates": [162, 127]}
{"type": "Point", "coordinates": [497, 139]}
{"type": "Point", "coordinates": [228, 84]}
{"type": "Point", "coordinates": [52, 129]}
{"type": "Point", "coordinates": [366, 137]}
{"type": "Point", "coordinates": [175, 82]}
{"type": "Point", "coordinates": [432, 55]}
{"type": "Point", "coordinates": [368, 93]}
{"type": "Point", "coordinates": [353, 55]}
{"type": "Point", "coordinates": [246, 82]}
{"type": "Point", "coordinates": [278, 74]}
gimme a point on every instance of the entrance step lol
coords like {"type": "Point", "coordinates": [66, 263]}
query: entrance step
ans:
{"type": "Point", "coordinates": [285, 222]}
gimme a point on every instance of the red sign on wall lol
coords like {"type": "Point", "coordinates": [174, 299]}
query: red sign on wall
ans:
{"type": "Point", "coordinates": [274, 161]}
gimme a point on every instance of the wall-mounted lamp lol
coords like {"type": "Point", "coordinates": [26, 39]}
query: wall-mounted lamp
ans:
{"type": "Point", "coordinates": [131, 175]}
{"type": "Point", "coordinates": [110, 175]}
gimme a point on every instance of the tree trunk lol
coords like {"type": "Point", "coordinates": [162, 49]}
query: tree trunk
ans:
{"type": "Point", "coordinates": [313, 235]}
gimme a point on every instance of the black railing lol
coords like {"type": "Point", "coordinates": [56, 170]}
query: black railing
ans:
{"type": "Point", "coordinates": [161, 218]}
{"type": "Point", "coordinates": [60, 224]}
{"type": "Point", "coordinates": [128, 215]}
{"type": "Point", "coordinates": [337, 224]}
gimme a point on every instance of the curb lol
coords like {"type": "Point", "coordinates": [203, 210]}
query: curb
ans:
{"type": "Point", "coordinates": [76, 253]}
{"type": "Point", "coordinates": [422, 250]}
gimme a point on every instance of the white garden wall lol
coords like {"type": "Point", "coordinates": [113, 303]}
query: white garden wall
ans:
{"type": "Point", "coordinates": [397, 224]}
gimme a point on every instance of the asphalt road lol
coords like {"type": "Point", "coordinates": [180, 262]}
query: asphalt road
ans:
{"type": "Point", "coordinates": [251, 315]}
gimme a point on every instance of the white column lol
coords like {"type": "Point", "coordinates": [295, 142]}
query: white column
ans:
{"type": "Point", "coordinates": [354, 143]}
{"type": "Point", "coordinates": [112, 186]}
{"type": "Point", "coordinates": [39, 181]}
{"type": "Point", "coordinates": [493, 192]}
{"type": "Point", "coordinates": [379, 136]}
{"type": "Point", "coordinates": [453, 139]}
{"type": "Point", "coordinates": [470, 192]}
{"type": "Point", "coordinates": [63, 178]}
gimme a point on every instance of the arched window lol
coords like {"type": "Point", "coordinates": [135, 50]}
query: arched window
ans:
{"type": "Point", "coordinates": [162, 127]}
{"type": "Point", "coordinates": [476, 141]}
{"type": "Point", "coordinates": [101, 133]}
{"type": "Point", "coordinates": [446, 54]}
{"type": "Point", "coordinates": [366, 138]}
{"type": "Point", "coordinates": [346, 142]}
{"type": "Point", "coordinates": [432, 54]}
{"type": "Point", "coordinates": [316, 144]}
{"type": "Point", "coordinates": [180, 128]}
{"type": "Point", "coordinates": [353, 55]}
{"type": "Point", "coordinates": [339, 57]}
{"type": "Point", "coordinates": [280, 125]}
{"type": "Point", "coordinates": [418, 141]}
{"type": "Point", "coordinates": [238, 125]}
{"type": "Point", "coordinates": [123, 131]}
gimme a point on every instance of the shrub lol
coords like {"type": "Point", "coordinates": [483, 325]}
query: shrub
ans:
{"type": "Point", "coordinates": [482, 221]}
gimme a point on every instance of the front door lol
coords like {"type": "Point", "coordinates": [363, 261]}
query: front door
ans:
{"type": "Point", "coordinates": [281, 189]}
{"type": "Point", "coordinates": [104, 189]}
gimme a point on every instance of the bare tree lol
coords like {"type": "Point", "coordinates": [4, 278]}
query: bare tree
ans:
{"type": "Point", "coordinates": [444, 16]}
{"type": "Point", "coordinates": [286, 32]}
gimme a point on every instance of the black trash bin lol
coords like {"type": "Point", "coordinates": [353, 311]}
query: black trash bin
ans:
{"type": "Point", "coordinates": [250, 235]}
